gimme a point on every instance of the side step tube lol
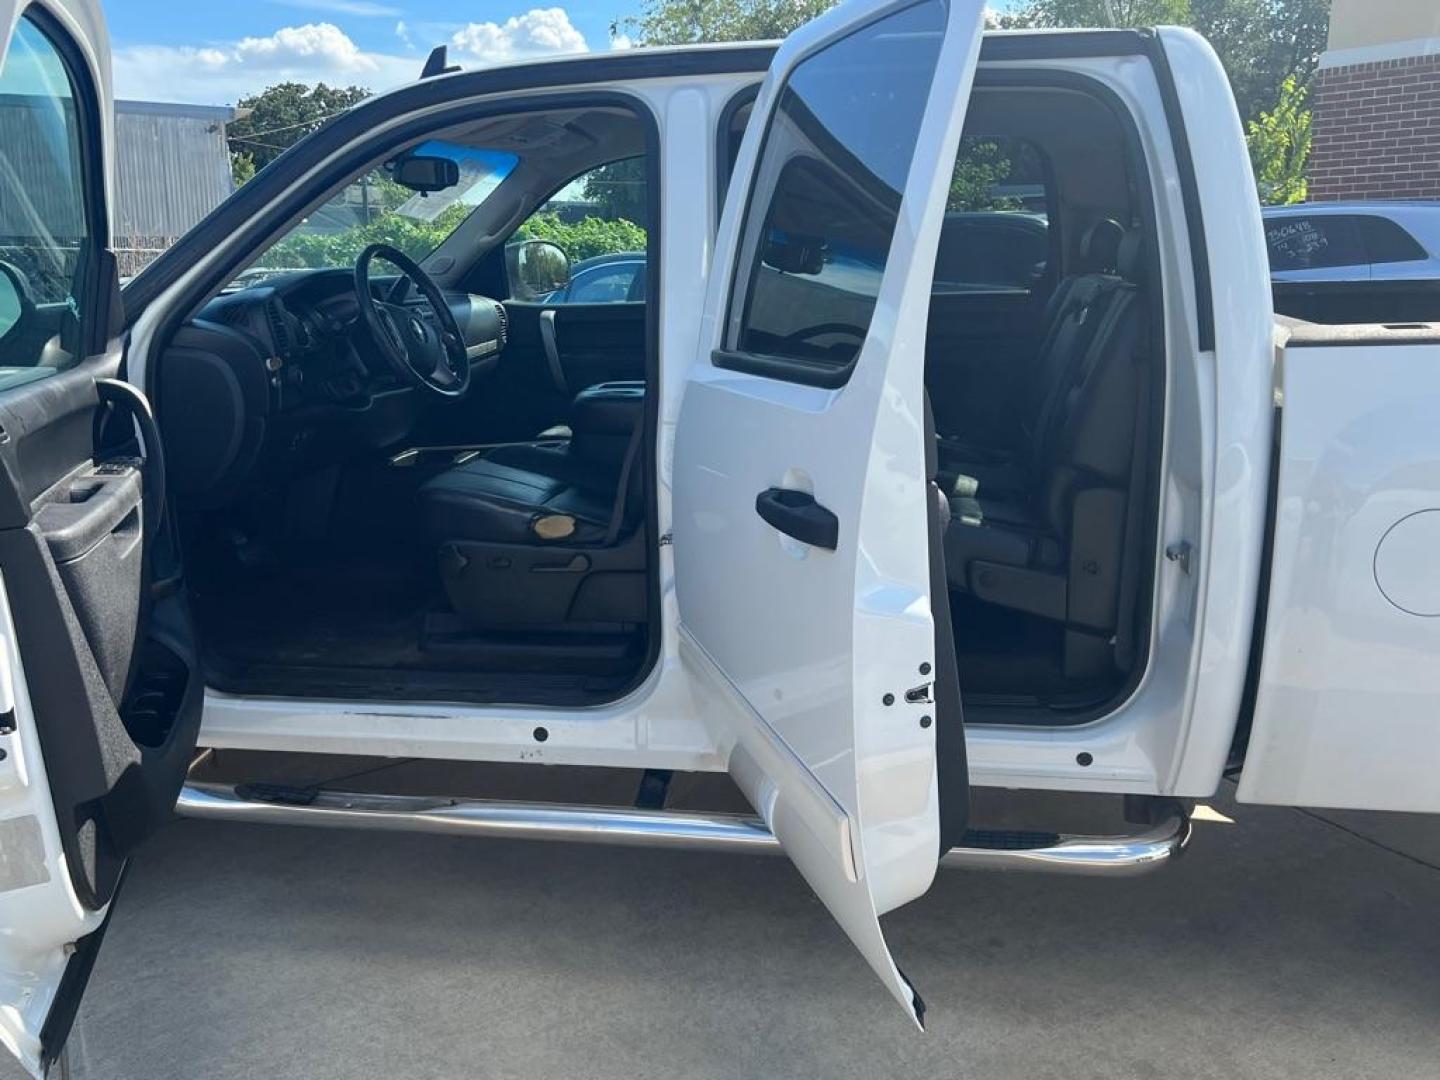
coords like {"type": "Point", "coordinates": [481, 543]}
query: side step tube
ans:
{"type": "Point", "coordinates": [1112, 856]}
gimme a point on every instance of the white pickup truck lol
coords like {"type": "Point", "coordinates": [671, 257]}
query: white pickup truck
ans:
{"type": "Point", "coordinates": [957, 447]}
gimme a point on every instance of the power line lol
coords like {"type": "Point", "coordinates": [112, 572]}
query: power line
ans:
{"type": "Point", "coordinates": [288, 127]}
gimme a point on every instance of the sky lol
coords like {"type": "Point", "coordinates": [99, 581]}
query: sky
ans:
{"type": "Point", "coordinates": [215, 52]}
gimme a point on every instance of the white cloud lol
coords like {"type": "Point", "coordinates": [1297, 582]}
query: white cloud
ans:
{"type": "Point", "coordinates": [224, 72]}
{"type": "Point", "coordinates": [538, 32]}
{"type": "Point", "coordinates": [323, 46]}
{"type": "Point", "coordinates": [215, 74]}
{"type": "Point", "coordinates": [621, 41]}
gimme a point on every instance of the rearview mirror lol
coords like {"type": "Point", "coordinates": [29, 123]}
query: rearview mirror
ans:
{"type": "Point", "coordinates": [795, 254]}
{"type": "Point", "coordinates": [536, 269]}
{"type": "Point", "coordinates": [425, 172]}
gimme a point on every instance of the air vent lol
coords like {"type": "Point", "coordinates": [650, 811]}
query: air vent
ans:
{"type": "Point", "coordinates": [234, 315]}
{"type": "Point", "coordinates": [279, 333]}
{"type": "Point", "coordinates": [504, 323]}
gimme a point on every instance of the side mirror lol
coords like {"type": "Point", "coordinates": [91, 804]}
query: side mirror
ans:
{"type": "Point", "coordinates": [536, 268]}
{"type": "Point", "coordinates": [425, 173]}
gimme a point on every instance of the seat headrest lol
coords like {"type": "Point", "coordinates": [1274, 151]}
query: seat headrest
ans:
{"type": "Point", "coordinates": [1100, 246]}
{"type": "Point", "coordinates": [1130, 258]}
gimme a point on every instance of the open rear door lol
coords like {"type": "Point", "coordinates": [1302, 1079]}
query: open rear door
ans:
{"type": "Point", "coordinates": [800, 492]}
{"type": "Point", "coordinates": [99, 696]}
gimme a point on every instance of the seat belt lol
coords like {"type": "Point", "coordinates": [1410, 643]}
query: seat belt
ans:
{"type": "Point", "coordinates": [622, 492]}
{"type": "Point", "coordinates": [1140, 457]}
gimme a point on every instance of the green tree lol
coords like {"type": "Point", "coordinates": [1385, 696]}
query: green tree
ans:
{"type": "Point", "coordinates": [1262, 43]}
{"type": "Point", "coordinates": [1279, 142]}
{"type": "Point", "coordinates": [301, 249]}
{"type": "Point", "coordinates": [690, 22]}
{"type": "Point", "coordinates": [1269, 49]}
{"type": "Point", "coordinates": [585, 238]}
{"type": "Point", "coordinates": [979, 166]}
{"type": "Point", "coordinates": [1061, 13]}
{"type": "Point", "coordinates": [278, 117]}
{"type": "Point", "coordinates": [242, 167]}
{"type": "Point", "coordinates": [618, 189]}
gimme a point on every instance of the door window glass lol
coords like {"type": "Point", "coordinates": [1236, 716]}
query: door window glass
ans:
{"type": "Point", "coordinates": [595, 218]}
{"type": "Point", "coordinates": [1313, 243]}
{"type": "Point", "coordinates": [46, 244]}
{"type": "Point", "coordinates": [996, 232]}
{"type": "Point", "coordinates": [827, 190]}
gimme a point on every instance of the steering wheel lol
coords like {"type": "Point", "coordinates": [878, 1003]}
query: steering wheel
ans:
{"type": "Point", "coordinates": [423, 345]}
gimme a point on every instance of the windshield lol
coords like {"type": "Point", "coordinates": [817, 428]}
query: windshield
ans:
{"type": "Point", "coordinates": [374, 209]}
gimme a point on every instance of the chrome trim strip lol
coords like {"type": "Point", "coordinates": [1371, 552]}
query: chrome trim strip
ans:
{"type": "Point", "coordinates": [1107, 856]}
{"type": "Point", "coordinates": [1098, 856]}
{"type": "Point", "coordinates": [482, 817]}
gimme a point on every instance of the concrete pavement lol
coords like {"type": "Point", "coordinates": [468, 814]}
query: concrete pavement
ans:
{"type": "Point", "coordinates": [1281, 946]}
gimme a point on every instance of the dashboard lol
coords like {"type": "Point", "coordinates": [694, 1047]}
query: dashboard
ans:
{"type": "Point", "coordinates": [282, 375]}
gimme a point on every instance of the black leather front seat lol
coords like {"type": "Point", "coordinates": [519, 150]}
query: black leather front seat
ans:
{"type": "Point", "coordinates": [547, 533]}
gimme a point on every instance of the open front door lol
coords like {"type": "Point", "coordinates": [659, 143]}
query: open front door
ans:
{"type": "Point", "coordinates": [800, 526]}
{"type": "Point", "coordinates": [99, 697]}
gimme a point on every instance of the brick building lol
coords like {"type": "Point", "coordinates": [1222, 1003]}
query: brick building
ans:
{"type": "Point", "coordinates": [1376, 103]}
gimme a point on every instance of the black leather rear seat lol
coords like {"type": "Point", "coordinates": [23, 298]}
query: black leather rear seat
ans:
{"type": "Point", "coordinates": [1054, 545]}
{"type": "Point", "coordinates": [1069, 321]}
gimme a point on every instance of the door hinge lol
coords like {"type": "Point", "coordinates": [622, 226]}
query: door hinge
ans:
{"type": "Point", "coordinates": [667, 540]}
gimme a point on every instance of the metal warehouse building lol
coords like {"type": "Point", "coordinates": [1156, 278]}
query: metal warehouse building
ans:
{"type": "Point", "coordinates": [172, 168]}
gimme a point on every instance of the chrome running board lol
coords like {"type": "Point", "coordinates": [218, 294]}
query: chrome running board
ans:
{"type": "Point", "coordinates": [1112, 856]}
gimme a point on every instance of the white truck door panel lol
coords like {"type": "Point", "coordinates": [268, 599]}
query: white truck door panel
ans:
{"type": "Point", "coordinates": [1346, 709]}
{"type": "Point", "coordinates": [800, 530]}
{"type": "Point", "coordinates": [86, 770]}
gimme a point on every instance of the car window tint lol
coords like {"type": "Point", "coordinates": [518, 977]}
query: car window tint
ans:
{"type": "Point", "coordinates": [826, 196]}
{"type": "Point", "coordinates": [46, 246]}
{"type": "Point", "coordinates": [602, 212]}
{"type": "Point", "coordinates": [1314, 242]}
{"type": "Point", "coordinates": [1387, 241]}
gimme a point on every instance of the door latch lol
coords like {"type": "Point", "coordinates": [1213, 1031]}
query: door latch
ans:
{"type": "Point", "coordinates": [1179, 553]}
{"type": "Point", "coordinates": [920, 695]}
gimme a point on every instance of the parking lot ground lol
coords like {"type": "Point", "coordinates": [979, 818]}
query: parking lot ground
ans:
{"type": "Point", "coordinates": [1282, 945]}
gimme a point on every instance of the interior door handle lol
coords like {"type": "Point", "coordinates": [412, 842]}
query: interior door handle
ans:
{"type": "Point", "coordinates": [549, 340]}
{"type": "Point", "coordinates": [797, 514]}
{"type": "Point", "coordinates": [129, 399]}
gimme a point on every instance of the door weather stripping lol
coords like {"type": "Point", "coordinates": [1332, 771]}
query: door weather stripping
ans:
{"type": "Point", "coordinates": [1109, 856]}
